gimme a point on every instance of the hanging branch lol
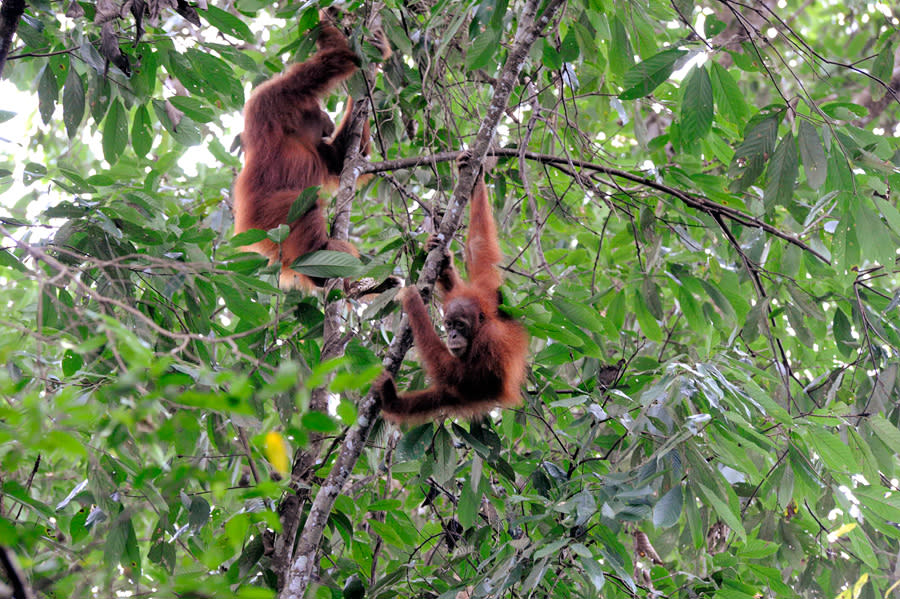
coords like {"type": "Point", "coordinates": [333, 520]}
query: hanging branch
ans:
{"type": "Point", "coordinates": [10, 13]}
{"type": "Point", "coordinates": [306, 560]}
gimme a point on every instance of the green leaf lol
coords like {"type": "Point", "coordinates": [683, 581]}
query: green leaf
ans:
{"type": "Point", "coordinates": [469, 504]}
{"type": "Point", "coordinates": [782, 173]}
{"type": "Point", "coordinates": [889, 212]}
{"type": "Point", "coordinates": [696, 105]}
{"type": "Point", "coordinates": [196, 109]}
{"type": "Point", "coordinates": [328, 264]}
{"type": "Point", "coordinates": [550, 57]}
{"type": "Point", "coordinates": [667, 510]}
{"type": "Point", "coordinates": [73, 102]}
{"type": "Point", "coordinates": [815, 164]}
{"type": "Point", "coordinates": [414, 443]}
{"type": "Point", "coordinates": [482, 49]}
{"type": "Point", "coordinates": [115, 132]}
{"type": "Point", "coordinates": [594, 572]}
{"type": "Point", "coordinates": [646, 76]}
{"type": "Point", "coordinates": [228, 24]}
{"type": "Point", "coordinates": [728, 96]}
{"type": "Point", "coordinates": [831, 450]}
{"type": "Point", "coordinates": [621, 55]}
{"type": "Point", "coordinates": [141, 131]}
{"type": "Point", "coordinates": [303, 204]}
{"type": "Point", "coordinates": [569, 50]}
{"type": "Point", "coordinates": [319, 422]}
{"type": "Point", "coordinates": [248, 237]}
{"type": "Point", "coordinates": [721, 509]}
{"type": "Point", "coordinates": [444, 456]}
{"type": "Point", "coordinates": [887, 432]}
{"type": "Point", "coordinates": [751, 156]}
{"type": "Point", "coordinates": [48, 92]}
{"type": "Point", "coordinates": [882, 69]}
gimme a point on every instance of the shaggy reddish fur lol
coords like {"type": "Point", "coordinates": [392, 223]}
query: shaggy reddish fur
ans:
{"type": "Point", "coordinates": [290, 144]}
{"type": "Point", "coordinates": [491, 372]}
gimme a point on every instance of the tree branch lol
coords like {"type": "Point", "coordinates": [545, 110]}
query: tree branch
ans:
{"type": "Point", "coordinates": [333, 345]}
{"type": "Point", "coordinates": [696, 201]}
{"type": "Point", "coordinates": [10, 13]}
{"type": "Point", "coordinates": [306, 561]}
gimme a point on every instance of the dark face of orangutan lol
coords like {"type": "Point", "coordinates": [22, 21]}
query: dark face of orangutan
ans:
{"type": "Point", "coordinates": [461, 319]}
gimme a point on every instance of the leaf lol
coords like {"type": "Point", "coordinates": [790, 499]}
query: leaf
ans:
{"type": "Point", "coordinates": [889, 212]}
{"type": "Point", "coordinates": [569, 48]}
{"type": "Point", "coordinates": [887, 432]}
{"type": "Point", "coordinates": [815, 164]}
{"type": "Point", "coordinates": [696, 105]}
{"type": "Point", "coordinates": [414, 443]}
{"type": "Point", "coordinates": [782, 173]}
{"type": "Point", "coordinates": [115, 132]}
{"type": "Point", "coordinates": [444, 456]}
{"type": "Point", "coordinates": [728, 96]}
{"type": "Point", "coordinates": [196, 109]}
{"type": "Point", "coordinates": [721, 509]}
{"type": "Point", "coordinates": [141, 131]}
{"type": "Point", "coordinates": [228, 24]}
{"type": "Point", "coordinates": [594, 572]}
{"type": "Point", "coordinates": [48, 92]}
{"type": "Point", "coordinates": [276, 450]}
{"type": "Point", "coordinates": [751, 156]}
{"type": "Point", "coordinates": [621, 55]}
{"type": "Point", "coordinates": [882, 69]}
{"type": "Point", "coordinates": [646, 76]}
{"type": "Point", "coordinates": [667, 510]}
{"type": "Point", "coordinates": [469, 503]}
{"type": "Point", "coordinates": [319, 422]}
{"type": "Point", "coordinates": [832, 451]}
{"type": "Point", "coordinates": [328, 264]}
{"type": "Point", "coordinates": [73, 102]}
{"type": "Point", "coordinates": [303, 204]}
{"type": "Point", "coordinates": [482, 49]}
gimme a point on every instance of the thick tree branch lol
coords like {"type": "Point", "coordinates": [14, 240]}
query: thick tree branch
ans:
{"type": "Point", "coordinates": [306, 561]}
{"type": "Point", "coordinates": [333, 346]}
{"type": "Point", "coordinates": [10, 13]}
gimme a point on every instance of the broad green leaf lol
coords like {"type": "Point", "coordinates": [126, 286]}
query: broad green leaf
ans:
{"type": "Point", "coordinates": [667, 510]}
{"type": "Point", "coordinates": [696, 105]}
{"type": "Point", "coordinates": [115, 132]}
{"type": "Point", "coordinates": [444, 456]}
{"type": "Point", "coordinates": [621, 55]}
{"type": "Point", "coordinates": [304, 202]}
{"type": "Point", "coordinates": [194, 108]}
{"type": "Point", "coordinates": [751, 156]}
{"type": "Point", "coordinates": [889, 212]}
{"type": "Point", "coordinates": [646, 76]}
{"type": "Point", "coordinates": [228, 24]}
{"type": "Point", "coordinates": [729, 99]}
{"type": "Point", "coordinates": [721, 509]}
{"type": "Point", "coordinates": [782, 173]}
{"type": "Point", "coordinates": [328, 264]}
{"type": "Point", "coordinates": [882, 69]}
{"type": "Point", "coordinates": [874, 238]}
{"type": "Point", "coordinates": [73, 102]}
{"type": "Point", "coordinates": [414, 443]}
{"type": "Point", "coordinates": [141, 131]}
{"type": "Point", "coordinates": [815, 164]}
{"type": "Point", "coordinates": [569, 49]}
{"type": "Point", "coordinates": [482, 49]}
{"type": "Point", "coordinates": [48, 92]}
{"type": "Point", "coordinates": [831, 450]}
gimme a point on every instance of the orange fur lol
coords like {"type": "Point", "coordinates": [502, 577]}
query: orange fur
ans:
{"type": "Point", "coordinates": [290, 144]}
{"type": "Point", "coordinates": [491, 371]}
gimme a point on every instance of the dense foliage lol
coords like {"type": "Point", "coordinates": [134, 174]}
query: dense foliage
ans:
{"type": "Point", "coordinates": [698, 204]}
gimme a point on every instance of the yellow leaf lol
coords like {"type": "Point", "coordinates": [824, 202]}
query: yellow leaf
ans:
{"type": "Point", "coordinates": [834, 535]}
{"type": "Point", "coordinates": [276, 449]}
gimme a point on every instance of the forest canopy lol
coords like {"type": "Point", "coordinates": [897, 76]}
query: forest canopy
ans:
{"type": "Point", "coordinates": [697, 204]}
